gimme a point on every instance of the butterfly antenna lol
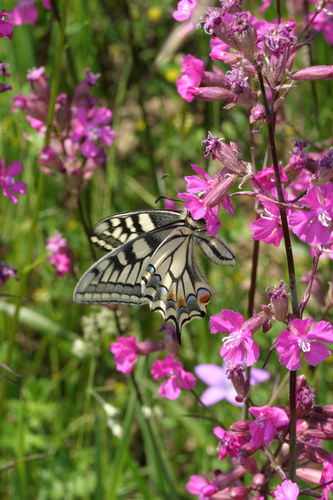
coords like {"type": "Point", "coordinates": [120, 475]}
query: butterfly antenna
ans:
{"type": "Point", "coordinates": [166, 198]}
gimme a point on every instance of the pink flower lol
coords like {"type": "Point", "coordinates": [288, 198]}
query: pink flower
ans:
{"type": "Point", "coordinates": [238, 346]}
{"type": "Point", "coordinates": [61, 255]}
{"type": "Point", "coordinates": [6, 272]}
{"type": "Point", "coordinates": [314, 226]}
{"type": "Point", "coordinates": [267, 421]}
{"type": "Point", "coordinates": [7, 182]}
{"type": "Point", "coordinates": [296, 339]}
{"type": "Point", "coordinates": [266, 177]}
{"type": "Point", "coordinates": [125, 354]}
{"type": "Point", "coordinates": [185, 10]}
{"type": "Point", "coordinates": [6, 27]}
{"type": "Point", "coordinates": [178, 377]}
{"type": "Point", "coordinates": [268, 227]}
{"type": "Point", "coordinates": [192, 71]}
{"type": "Point", "coordinates": [25, 11]}
{"type": "Point", "coordinates": [91, 126]}
{"type": "Point", "coordinates": [220, 385]}
{"type": "Point", "coordinates": [229, 443]}
{"type": "Point", "coordinates": [287, 491]}
{"type": "Point", "coordinates": [327, 477]}
{"type": "Point", "coordinates": [198, 211]}
{"type": "Point", "coordinates": [201, 486]}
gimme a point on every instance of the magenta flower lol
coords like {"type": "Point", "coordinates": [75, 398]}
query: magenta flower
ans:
{"type": "Point", "coordinates": [6, 27]}
{"type": "Point", "coordinates": [25, 11]}
{"type": "Point", "coordinates": [267, 421]}
{"type": "Point", "coordinates": [178, 377]}
{"type": "Point", "coordinates": [125, 355]}
{"type": "Point", "coordinates": [192, 71]}
{"type": "Point", "coordinates": [201, 486]}
{"type": "Point", "coordinates": [296, 339]}
{"type": "Point", "coordinates": [198, 210]}
{"type": "Point", "coordinates": [268, 227]}
{"type": "Point", "coordinates": [61, 255]}
{"type": "Point", "coordinates": [327, 477]}
{"type": "Point", "coordinates": [6, 272]}
{"type": "Point", "coordinates": [229, 443]}
{"type": "Point", "coordinates": [238, 347]}
{"type": "Point", "coordinates": [92, 126]}
{"type": "Point", "coordinates": [266, 177]}
{"type": "Point", "coordinates": [7, 182]}
{"type": "Point", "coordinates": [185, 10]}
{"type": "Point", "coordinates": [287, 491]}
{"type": "Point", "coordinates": [220, 386]}
{"type": "Point", "coordinates": [314, 226]}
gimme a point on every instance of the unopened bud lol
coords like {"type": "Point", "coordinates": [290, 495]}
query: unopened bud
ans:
{"type": "Point", "coordinates": [220, 191]}
{"type": "Point", "coordinates": [213, 94]}
{"type": "Point", "coordinates": [239, 380]}
{"type": "Point", "coordinates": [324, 172]}
{"type": "Point", "coordinates": [313, 73]}
{"type": "Point", "coordinates": [256, 322]}
{"type": "Point", "coordinates": [278, 301]}
{"type": "Point", "coordinates": [148, 347]}
{"type": "Point", "coordinates": [213, 78]}
{"type": "Point", "coordinates": [228, 156]}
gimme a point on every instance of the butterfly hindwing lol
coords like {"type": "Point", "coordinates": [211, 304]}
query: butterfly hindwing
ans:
{"type": "Point", "coordinates": [116, 230]}
{"type": "Point", "coordinates": [173, 283]}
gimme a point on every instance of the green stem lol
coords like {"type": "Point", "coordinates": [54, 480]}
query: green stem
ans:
{"type": "Point", "coordinates": [39, 197]}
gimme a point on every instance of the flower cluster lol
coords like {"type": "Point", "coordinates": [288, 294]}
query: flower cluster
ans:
{"type": "Point", "coordinates": [81, 129]}
{"type": "Point", "coordinates": [61, 256]}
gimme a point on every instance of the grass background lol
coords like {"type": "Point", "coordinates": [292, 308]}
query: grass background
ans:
{"type": "Point", "coordinates": [73, 427]}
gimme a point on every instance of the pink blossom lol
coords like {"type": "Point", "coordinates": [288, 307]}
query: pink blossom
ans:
{"type": "Point", "coordinates": [185, 10]}
{"type": "Point", "coordinates": [125, 353]}
{"type": "Point", "coordinates": [91, 126]}
{"type": "Point", "coordinates": [266, 177]}
{"type": "Point", "coordinates": [178, 377]}
{"type": "Point", "coordinates": [61, 255]}
{"type": "Point", "coordinates": [201, 486]}
{"type": "Point", "coordinates": [229, 443]}
{"type": "Point", "coordinates": [323, 23]}
{"type": "Point", "coordinates": [287, 491]}
{"type": "Point", "coordinates": [268, 227]}
{"type": "Point", "coordinates": [314, 226]}
{"type": "Point", "coordinates": [327, 477]}
{"type": "Point", "coordinates": [265, 5]}
{"type": "Point", "coordinates": [6, 271]}
{"type": "Point", "coordinates": [6, 27]}
{"type": "Point", "coordinates": [220, 385]}
{"type": "Point", "coordinates": [218, 49]}
{"type": "Point", "coordinates": [238, 346]}
{"type": "Point", "coordinates": [7, 182]}
{"type": "Point", "coordinates": [297, 338]}
{"type": "Point", "coordinates": [192, 71]}
{"type": "Point", "coordinates": [267, 421]}
{"type": "Point", "coordinates": [198, 210]}
{"type": "Point", "coordinates": [25, 11]}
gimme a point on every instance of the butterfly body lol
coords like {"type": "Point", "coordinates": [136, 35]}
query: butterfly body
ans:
{"type": "Point", "coordinates": [151, 261]}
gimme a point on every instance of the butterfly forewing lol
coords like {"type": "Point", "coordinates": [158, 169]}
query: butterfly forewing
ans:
{"type": "Point", "coordinates": [116, 277]}
{"type": "Point", "coordinates": [116, 230]}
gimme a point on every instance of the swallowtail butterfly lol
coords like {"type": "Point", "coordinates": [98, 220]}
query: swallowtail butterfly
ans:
{"type": "Point", "coordinates": [151, 261]}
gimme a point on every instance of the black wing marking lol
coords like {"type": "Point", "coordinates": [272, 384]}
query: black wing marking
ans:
{"type": "Point", "coordinates": [116, 277]}
{"type": "Point", "coordinates": [118, 229]}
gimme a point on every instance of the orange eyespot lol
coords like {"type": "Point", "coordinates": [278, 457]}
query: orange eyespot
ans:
{"type": "Point", "coordinates": [181, 302]}
{"type": "Point", "coordinates": [203, 296]}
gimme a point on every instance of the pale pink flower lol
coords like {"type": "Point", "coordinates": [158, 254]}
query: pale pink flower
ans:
{"type": "Point", "coordinates": [297, 338]}
{"type": "Point", "coordinates": [61, 256]}
{"type": "Point", "coordinates": [266, 424]}
{"type": "Point", "coordinates": [220, 385]}
{"type": "Point", "coordinates": [7, 182]}
{"type": "Point", "coordinates": [125, 353]}
{"type": "Point", "coordinates": [25, 11]}
{"type": "Point", "coordinates": [286, 491]}
{"type": "Point", "coordinates": [185, 10]}
{"type": "Point", "coordinates": [238, 347]}
{"type": "Point", "coordinates": [177, 377]}
{"type": "Point", "coordinates": [314, 226]}
{"type": "Point", "coordinates": [192, 71]}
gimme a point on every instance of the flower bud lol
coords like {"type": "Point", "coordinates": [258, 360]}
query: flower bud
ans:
{"type": "Point", "coordinates": [228, 156]}
{"type": "Point", "coordinates": [324, 172]}
{"type": "Point", "coordinates": [213, 78]}
{"type": "Point", "coordinates": [239, 380]}
{"type": "Point", "coordinates": [256, 322]}
{"type": "Point", "coordinates": [148, 347]}
{"type": "Point", "coordinates": [220, 191]}
{"type": "Point", "coordinates": [278, 301]}
{"type": "Point", "coordinates": [313, 73]}
{"type": "Point", "coordinates": [213, 94]}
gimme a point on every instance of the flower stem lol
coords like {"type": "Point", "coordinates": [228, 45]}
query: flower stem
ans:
{"type": "Point", "coordinates": [292, 277]}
